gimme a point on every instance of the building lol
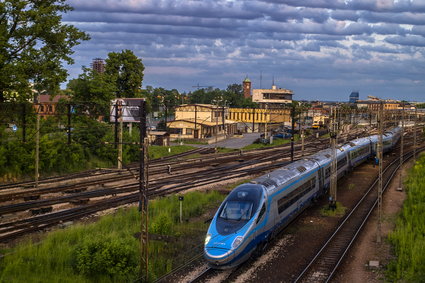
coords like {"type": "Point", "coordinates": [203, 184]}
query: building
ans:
{"type": "Point", "coordinates": [257, 120]}
{"type": "Point", "coordinates": [354, 97]}
{"type": "Point", "coordinates": [272, 98]}
{"type": "Point", "coordinates": [246, 87]}
{"type": "Point", "coordinates": [201, 121]}
{"type": "Point", "coordinates": [374, 103]}
{"type": "Point", "coordinates": [46, 104]}
{"type": "Point", "coordinates": [317, 117]}
{"type": "Point", "coordinates": [98, 65]}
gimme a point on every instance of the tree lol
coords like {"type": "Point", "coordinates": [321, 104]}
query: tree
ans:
{"type": "Point", "coordinates": [92, 91]}
{"type": "Point", "coordinates": [125, 71]}
{"type": "Point", "coordinates": [33, 46]}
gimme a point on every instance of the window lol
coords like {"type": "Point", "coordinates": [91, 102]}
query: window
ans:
{"type": "Point", "coordinates": [189, 131]}
{"type": "Point", "coordinates": [359, 152]}
{"type": "Point", "coordinates": [327, 172]}
{"type": "Point", "coordinates": [342, 162]}
{"type": "Point", "coordinates": [236, 210]}
{"type": "Point", "coordinates": [295, 195]}
{"type": "Point", "coordinates": [262, 211]}
{"type": "Point", "coordinates": [175, 130]}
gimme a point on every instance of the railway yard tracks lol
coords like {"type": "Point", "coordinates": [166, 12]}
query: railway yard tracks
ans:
{"type": "Point", "coordinates": [325, 262]}
{"type": "Point", "coordinates": [26, 209]}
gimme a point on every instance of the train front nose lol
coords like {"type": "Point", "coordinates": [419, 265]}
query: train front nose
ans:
{"type": "Point", "coordinates": [217, 255]}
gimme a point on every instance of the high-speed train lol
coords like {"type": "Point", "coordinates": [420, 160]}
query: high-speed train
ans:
{"type": "Point", "coordinates": [255, 212]}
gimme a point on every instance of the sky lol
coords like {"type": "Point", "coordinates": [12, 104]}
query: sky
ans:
{"type": "Point", "coordinates": [320, 49]}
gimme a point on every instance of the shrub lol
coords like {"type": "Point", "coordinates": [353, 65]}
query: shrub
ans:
{"type": "Point", "coordinates": [113, 258]}
{"type": "Point", "coordinates": [162, 224]}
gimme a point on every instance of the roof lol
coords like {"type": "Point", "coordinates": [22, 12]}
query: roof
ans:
{"type": "Point", "coordinates": [246, 80]}
{"type": "Point", "coordinates": [157, 133]}
{"type": "Point", "coordinates": [210, 106]}
{"type": "Point", "coordinates": [201, 122]}
{"type": "Point", "coordinates": [46, 98]}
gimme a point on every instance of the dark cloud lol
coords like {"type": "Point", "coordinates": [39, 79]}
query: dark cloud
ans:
{"type": "Point", "coordinates": [315, 47]}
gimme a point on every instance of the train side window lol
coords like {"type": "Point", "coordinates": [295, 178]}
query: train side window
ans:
{"type": "Point", "coordinates": [262, 211]}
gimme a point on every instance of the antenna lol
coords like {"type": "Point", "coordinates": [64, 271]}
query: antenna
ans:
{"type": "Point", "coordinates": [273, 81]}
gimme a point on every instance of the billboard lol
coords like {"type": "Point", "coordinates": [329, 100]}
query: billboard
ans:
{"type": "Point", "coordinates": [125, 108]}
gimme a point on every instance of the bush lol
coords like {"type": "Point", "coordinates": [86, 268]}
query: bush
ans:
{"type": "Point", "coordinates": [162, 224]}
{"type": "Point", "coordinates": [408, 238]}
{"type": "Point", "coordinates": [113, 258]}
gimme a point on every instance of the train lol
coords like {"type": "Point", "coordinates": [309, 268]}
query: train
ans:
{"type": "Point", "coordinates": [255, 212]}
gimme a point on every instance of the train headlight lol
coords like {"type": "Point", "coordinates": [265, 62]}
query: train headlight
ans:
{"type": "Point", "coordinates": [207, 239]}
{"type": "Point", "coordinates": [236, 243]}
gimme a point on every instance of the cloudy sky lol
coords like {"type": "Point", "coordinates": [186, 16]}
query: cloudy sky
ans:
{"type": "Point", "coordinates": [320, 49]}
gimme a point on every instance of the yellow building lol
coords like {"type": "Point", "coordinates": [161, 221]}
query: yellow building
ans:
{"type": "Point", "coordinates": [258, 119]}
{"type": "Point", "coordinates": [201, 121]}
{"type": "Point", "coordinates": [259, 115]}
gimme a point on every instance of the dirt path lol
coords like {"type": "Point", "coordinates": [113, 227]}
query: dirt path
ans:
{"type": "Point", "coordinates": [355, 267]}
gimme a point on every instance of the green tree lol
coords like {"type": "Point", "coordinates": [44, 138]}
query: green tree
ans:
{"type": "Point", "coordinates": [92, 91]}
{"type": "Point", "coordinates": [125, 71]}
{"type": "Point", "coordinates": [34, 44]}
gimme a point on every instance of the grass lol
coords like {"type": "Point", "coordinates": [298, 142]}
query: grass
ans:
{"type": "Point", "coordinates": [276, 142]}
{"type": "Point", "coordinates": [339, 211]}
{"type": "Point", "coordinates": [408, 238]}
{"type": "Point", "coordinates": [156, 151]}
{"type": "Point", "coordinates": [107, 251]}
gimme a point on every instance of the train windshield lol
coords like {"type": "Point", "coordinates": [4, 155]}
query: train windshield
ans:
{"type": "Point", "coordinates": [237, 210]}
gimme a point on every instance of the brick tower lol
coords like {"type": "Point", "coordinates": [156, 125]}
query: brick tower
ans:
{"type": "Point", "coordinates": [246, 88]}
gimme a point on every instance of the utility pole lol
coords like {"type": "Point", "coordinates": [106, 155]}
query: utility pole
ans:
{"type": "Point", "coordinates": [223, 120]}
{"type": "Point", "coordinates": [196, 125]}
{"type": "Point", "coordinates": [216, 127]}
{"type": "Point", "coordinates": [37, 147]}
{"type": "Point", "coordinates": [292, 131]}
{"type": "Point", "coordinates": [334, 165]}
{"type": "Point", "coordinates": [265, 125]}
{"type": "Point", "coordinates": [119, 164]}
{"type": "Point", "coordinates": [401, 147]}
{"type": "Point", "coordinates": [116, 124]}
{"type": "Point", "coordinates": [69, 124]}
{"type": "Point", "coordinates": [380, 158]}
{"type": "Point", "coordinates": [253, 119]}
{"type": "Point", "coordinates": [143, 195]}
{"type": "Point", "coordinates": [24, 122]}
{"type": "Point", "coordinates": [302, 134]}
{"type": "Point", "coordinates": [414, 134]}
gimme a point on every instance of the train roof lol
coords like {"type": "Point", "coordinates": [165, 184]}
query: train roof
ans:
{"type": "Point", "coordinates": [276, 178]}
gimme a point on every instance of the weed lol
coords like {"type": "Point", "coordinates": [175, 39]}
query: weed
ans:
{"type": "Point", "coordinates": [107, 251]}
{"type": "Point", "coordinates": [337, 212]}
{"type": "Point", "coordinates": [408, 237]}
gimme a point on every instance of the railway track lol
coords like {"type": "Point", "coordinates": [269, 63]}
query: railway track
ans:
{"type": "Point", "coordinates": [82, 181]}
{"type": "Point", "coordinates": [391, 169]}
{"type": "Point", "coordinates": [329, 257]}
{"type": "Point", "coordinates": [124, 194]}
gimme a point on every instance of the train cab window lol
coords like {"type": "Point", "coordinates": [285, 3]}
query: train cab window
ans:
{"type": "Point", "coordinates": [237, 210]}
{"type": "Point", "coordinates": [262, 211]}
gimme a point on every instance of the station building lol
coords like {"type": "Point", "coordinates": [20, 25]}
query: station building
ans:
{"type": "Point", "coordinates": [258, 120]}
{"type": "Point", "coordinates": [201, 121]}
